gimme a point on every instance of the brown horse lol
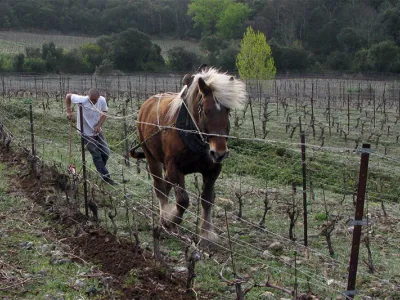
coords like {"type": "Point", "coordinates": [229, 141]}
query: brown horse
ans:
{"type": "Point", "coordinates": [188, 134]}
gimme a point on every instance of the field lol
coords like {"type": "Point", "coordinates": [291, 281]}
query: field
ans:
{"type": "Point", "coordinates": [262, 178]}
{"type": "Point", "coordinates": [13, 42]}
{"type": "Point", "coordinates": [167, 44]}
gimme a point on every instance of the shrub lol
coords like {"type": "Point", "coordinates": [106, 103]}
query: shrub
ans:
{"type": "Point", "coordinates": [180, 59]}
{"type": "Point", "coordinates": [74, 63]}
{"type": "Point", "coordinates": [337, 60]}
{"type": "Point", "coordinates": [321, 216]}
{"type": "Point", "coordinates": [227, 58]}
{"type": "Point", "coordinates": [32, 52]}
{"type": "Point", "coordinates": [18, 63]}
{"type": "Point", "coordinates": [384, 56]}
{"type": "Point", "coordinates": [35, 65]}
{"type": "Point", "coordinates": [290, 57]}
{"type": "Point", "coordinates": [361, 61]}
{"type": "Point", "coordinates": [5, 63]}
{"type": "Point", "coordinates": [105, 67]}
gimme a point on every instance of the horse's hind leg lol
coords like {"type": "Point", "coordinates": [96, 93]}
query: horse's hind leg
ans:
{"type": "Point", "coordinates": [160, 187]}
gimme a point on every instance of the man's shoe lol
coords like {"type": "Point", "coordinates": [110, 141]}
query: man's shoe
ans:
{"type": "Point", "coordinates": [109, 181]}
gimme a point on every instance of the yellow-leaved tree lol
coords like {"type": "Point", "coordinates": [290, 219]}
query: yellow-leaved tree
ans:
{"type": "Point", "coordinates": [255, 60]}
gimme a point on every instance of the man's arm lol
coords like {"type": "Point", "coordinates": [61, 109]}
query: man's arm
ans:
{"type": "Point", "coordinates": [103, 117]}
{"type": "Point", "coordinates": [68, 104]}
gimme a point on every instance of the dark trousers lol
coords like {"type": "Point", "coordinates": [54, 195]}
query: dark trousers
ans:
{"type": "Point", "coordinates": [98, 148]}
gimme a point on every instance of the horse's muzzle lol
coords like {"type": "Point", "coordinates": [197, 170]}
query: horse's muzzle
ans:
{"type": "Point", "coordinates": [218, 156]}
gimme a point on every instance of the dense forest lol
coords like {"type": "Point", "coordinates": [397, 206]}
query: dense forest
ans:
{"type": "Point", "coordinates": [305, 35]}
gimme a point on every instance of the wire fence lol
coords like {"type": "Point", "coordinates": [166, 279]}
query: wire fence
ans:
{"type": "Point", "coordinates": [260, 186]}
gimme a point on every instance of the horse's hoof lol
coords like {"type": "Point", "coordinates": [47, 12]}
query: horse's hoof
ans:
{"type": "Point", "coordinates": [207, 245]}
{"type": "Point", "coordinates": [167, 224]}
{"type": "Point", "coordinates": [208, 240]}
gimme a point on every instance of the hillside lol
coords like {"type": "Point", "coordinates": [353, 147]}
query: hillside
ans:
{"type": "Point", "coordinates": [14, 42]}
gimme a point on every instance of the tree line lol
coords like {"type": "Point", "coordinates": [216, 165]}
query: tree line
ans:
{"type": "Point", "coordinates": [97, 17]}
{"type": "Point", "coordinates": [304, 35]}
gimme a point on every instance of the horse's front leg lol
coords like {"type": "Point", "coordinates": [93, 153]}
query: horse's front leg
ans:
{"type": "Point", "coordinates": [207, 201]}
{"type": "Point", "coordinates": [172, 214]}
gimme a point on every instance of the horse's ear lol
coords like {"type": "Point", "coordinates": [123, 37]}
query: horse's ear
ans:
{"type": "Point", "coordinates": [203, 87]}
{"type": "Point", "coordinates": [203, 67]}
{"type": "Point", "coordinates": [187, 79]}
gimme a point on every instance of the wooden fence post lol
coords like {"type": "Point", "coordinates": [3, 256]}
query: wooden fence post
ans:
{"type": "Point", "coordinates": [304, 173]}
{"type": "Point", "coordinates": [85, 191]}
{"type": "Point", "coordinates": [32, 139]}
{"type": "Point", "coordinates": [358, 221]}
{"type": "Point", "coordinates": [126, 139]}
{"type": "Point", "coordinates": [3, 83]}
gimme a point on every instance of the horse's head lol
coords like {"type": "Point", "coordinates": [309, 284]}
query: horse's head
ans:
{"type": "Point", "coordinates": [210, 96]}
{"type": "Point", "coordinates": [213, 118]}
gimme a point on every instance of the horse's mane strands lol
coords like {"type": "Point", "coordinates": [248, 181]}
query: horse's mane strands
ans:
{"type": "Point", "coordinates": [174, 106]}
{"type": "Point", "coordinates": [229, 93]}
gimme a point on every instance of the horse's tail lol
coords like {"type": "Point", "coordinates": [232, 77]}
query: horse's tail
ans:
{"type": "Point", "coordinates": [136, 153]}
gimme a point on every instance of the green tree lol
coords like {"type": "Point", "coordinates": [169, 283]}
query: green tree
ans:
{"type": "Point", "coordinates": [91, 55]}
{"type": "Point", "coordinates": [222, 17]}
{"type": "Point", "coordinates": [131, 48]}
{"type": "Point", "coordinates": [206, 13]}
{"type": "Point", "coordinates": [255, 60]}
{"type": "Point", "coordinates": [231, 22]}
{"type": "Point", "coordinates": [350, 40]}
{"type": "Point", "coordinates": [384, 56]}
{"type": "Point", "coordinates": [53, 56]}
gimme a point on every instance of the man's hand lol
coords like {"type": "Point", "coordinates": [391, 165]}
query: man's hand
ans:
{"type": "Point", "coordinates": [97, 129]}
{"type": "Point", "coordinates": [70, 116]}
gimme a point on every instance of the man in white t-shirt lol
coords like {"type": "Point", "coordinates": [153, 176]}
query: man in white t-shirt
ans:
{"type": "Point", "coordinates": [94, 114]}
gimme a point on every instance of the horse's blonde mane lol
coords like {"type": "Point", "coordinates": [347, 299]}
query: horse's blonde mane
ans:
{"type": "Point", "coordinates": [228, 91]}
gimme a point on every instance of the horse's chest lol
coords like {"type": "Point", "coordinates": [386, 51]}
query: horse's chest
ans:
{"type": "Point", "coordinates": [191, 163]}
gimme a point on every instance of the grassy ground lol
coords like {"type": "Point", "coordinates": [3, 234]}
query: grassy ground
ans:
{"type": "Point", "coordinates": [253, 168]}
